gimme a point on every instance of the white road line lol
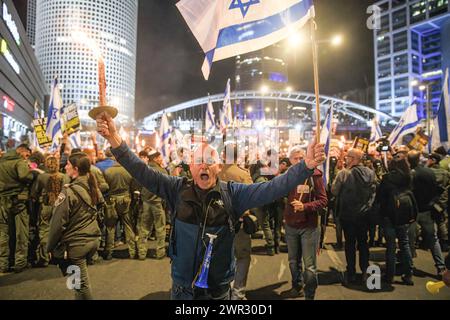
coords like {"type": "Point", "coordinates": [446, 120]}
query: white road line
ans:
{"type": "Point", "coordinates": [282, 270]}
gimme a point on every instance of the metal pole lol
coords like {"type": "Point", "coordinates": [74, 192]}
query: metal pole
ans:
{"type": "Point", "coordinates": [428, 110]}
{"type": "Point", "coordinates": [316, 77]}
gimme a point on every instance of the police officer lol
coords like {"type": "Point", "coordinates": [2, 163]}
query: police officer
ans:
{"type": "Point", "coordinates": [45, 191]}
{"type": "Point", "coordinates": [153, 214]}
{"type": "Point", "coordinates": [242, 241]}
{"type": "Point", "coordinates": [15, 179]}
{"type": "Point", "coordinates": [118, 208]}
{"type": "Point", "coordinates": [74, 230]}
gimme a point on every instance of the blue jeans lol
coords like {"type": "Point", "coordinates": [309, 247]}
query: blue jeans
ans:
{"type": "Point", "coordinates": [303, 243]}
{"type": "Point", "coordinates": [401, 233]}
{"type": "Point", "coordinates": [182, 293]}
{"type": "Point", "coordinates": [429, 234]}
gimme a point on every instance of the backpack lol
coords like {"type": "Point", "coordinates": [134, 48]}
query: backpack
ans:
{"type": "Point", "coordinates": [404, 207]}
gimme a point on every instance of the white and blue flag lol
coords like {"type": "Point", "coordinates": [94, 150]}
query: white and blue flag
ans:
{"type": "Point", "coordinates": [164, 133]}
{"type": "Point", "coordinates": [325, 138]}
{"type": "Point", "coordinates": [75, 140]}
{"type": "Point", "coordinates": [210, 122]}
{"type": "Point", "coordinates": [441, 129]}
{"type": "Point", "coordinates": [226, 28]}
{"type": "Point", "coordinates": [376, 133]}
{"type": "Point", "coordinates": [226, 114]}
{"type": "Point", "coordinates": [409, 123]}
{"type": "Point", "coordinates": [54, 125]}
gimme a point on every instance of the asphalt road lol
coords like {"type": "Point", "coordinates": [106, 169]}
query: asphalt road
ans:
{"type": "Point", "coordinates": [125, 279]}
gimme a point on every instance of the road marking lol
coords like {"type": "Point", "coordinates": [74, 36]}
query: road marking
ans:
{"type": "Point", "coordinates": [282, 270]}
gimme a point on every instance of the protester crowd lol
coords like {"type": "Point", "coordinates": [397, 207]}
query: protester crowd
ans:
{"type": "Point", "coordinates": [84, 203]}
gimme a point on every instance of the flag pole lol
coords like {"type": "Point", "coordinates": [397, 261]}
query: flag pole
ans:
{"type": "Point", "coordinates": [316, 76]}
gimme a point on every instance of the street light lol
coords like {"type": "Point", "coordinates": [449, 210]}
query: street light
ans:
{"type": "Point", "coordinates": [337, 40]}
{"type": "Point", "coordinates": [426, 86]}
{"type": "Point", "coordinates": [264, 89]}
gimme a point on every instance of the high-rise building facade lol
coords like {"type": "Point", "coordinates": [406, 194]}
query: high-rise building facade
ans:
{"type": "Point", "coordinates": [70, 37]}
{"type": "Point", "coordinates": [413, 43]}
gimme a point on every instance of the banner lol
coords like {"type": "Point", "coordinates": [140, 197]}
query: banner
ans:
{"type": "Point", "coordinates": [71, 119]}
{"type": "Point", "coordinates": [40, 128]}
{"type": "Point", "coordinates": [419, 142]}
{"type": "Point", "coordinates": [361, 144]}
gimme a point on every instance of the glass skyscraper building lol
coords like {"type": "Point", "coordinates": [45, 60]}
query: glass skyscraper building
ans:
{"type": "Point", "coordinates": [413, 43]}
{"type": "Point", "coordinates": [69, 36]}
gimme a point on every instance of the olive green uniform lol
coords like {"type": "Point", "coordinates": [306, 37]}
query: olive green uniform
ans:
{"type": "Point", "coordinates": [242, 241]}
{"type": "Point", "coordinates": [39, 193]}
{"type": "Point", "coordinates": [443, 180]}
{"type": "Point", "coordinates": [74, 229]}
{"type": "Point", "coordinates": [153, 215]}
{"type": "Point", "coordinates": [118, 207]}
{"type": "Point", "coordinates": [15, 178]}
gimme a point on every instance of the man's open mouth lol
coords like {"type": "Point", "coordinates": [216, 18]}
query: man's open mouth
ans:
{"type": "Point", "coordinates": [204, 176]}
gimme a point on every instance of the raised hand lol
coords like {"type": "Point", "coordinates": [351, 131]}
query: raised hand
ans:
{"type": "Point", "coordinates": [107, 129]}
{"type": "Point", "coordinates": [315, 155]}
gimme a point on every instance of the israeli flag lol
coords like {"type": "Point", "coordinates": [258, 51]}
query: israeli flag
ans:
{"type": "Point", "coordinates": [226, 28]}
{"type": "Point", "coordinates": [210, 123]}
{"type": "Point", "coordinates": [164, 133]}
{"type": "Point", "coordinates": [376, 133]}
{"type": "Point", "coordinates": [54, 124]}
{"type": "Point", "coordinates": [325, 138]}
{"type": "Point", "coordinates": [441, 129]}
{"type": "Point", "coordinates": [409, 123]}
{"type": "Point", "coordinates": [75, 140]}
{"type": "Point", "coordinates": [226, 115]}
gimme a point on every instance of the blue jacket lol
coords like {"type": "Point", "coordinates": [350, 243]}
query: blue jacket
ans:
{"type": "Point", "coordinates": [183, 200]}
{"type": "Point", "coordinates": [105, 164]}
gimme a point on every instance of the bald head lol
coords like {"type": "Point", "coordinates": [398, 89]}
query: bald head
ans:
{"type": "Point", "coordinates": [354, 157]}
{"type": "Point", "coordinates": [205, 166]}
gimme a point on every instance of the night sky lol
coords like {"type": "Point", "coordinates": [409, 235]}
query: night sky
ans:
{"type": "Point", "coordinates": [169, 58]}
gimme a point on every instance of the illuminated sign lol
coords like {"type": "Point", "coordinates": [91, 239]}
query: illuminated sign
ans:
{"type": "Point", "coordinates": [11, 24]}
{"type": "Point", "coordinates": [8, 103]}
{"type": "Point", "coordinates": [5, 51]}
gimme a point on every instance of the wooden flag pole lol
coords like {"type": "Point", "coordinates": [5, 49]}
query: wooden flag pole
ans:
{"type": "Point", "coordinates": [316, 76]}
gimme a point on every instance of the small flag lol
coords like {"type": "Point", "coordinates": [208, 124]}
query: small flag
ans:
{"type": "Point", "coordinates": [54, 124]}
{"type": "Point", "coordinates": [409, 123]}
{"type": "Point", "coordinates": [75, 140]}
{"type": "Point", "coordinates": [226, 28]}
{"type": "Point", "coordinates": [376, 133]}
{"type": "Point", "coordinates": [226, 114]}
{"type": "Point", "coordinates": [210, 122]}
{"type": "Point", "coordinates": [164, 134]}
{"type": "Point", "coordinates": [441, 129]}
{"type": "Point", "coordinates": [325, 138]}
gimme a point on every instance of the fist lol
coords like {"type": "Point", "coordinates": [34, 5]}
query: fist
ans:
{"type": "Point", "coordinates": [106, 126]}
{"type": "Point", "coordinates": [315, 155]}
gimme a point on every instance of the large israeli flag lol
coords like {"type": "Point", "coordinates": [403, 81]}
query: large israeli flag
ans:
{"type": "Point", "coordinates": [226, 28]}
{"type": "Point", "coordinates": [376, 133]}
{"type": "Point", "coordinates": [226, 114]}
{"type": "Point", "coordinates": [210, 122]}
{"type": "Point", "coordinates": [325, 138]}
{"type": "Point", "coordinates": [54, 126]}
{"type": "Point", "coordinates": [441, 129]}
{"type": "Point", "coordinates": [409, 123]}
{"type": "Point", "coordinates": [164, 133]}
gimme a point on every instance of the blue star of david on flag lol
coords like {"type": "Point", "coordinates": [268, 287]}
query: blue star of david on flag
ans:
{"type": "Point", "coordinates": [243, 6]}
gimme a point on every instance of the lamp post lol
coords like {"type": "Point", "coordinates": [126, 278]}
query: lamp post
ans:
{"type": "Point", "coordinates": [425, 86]}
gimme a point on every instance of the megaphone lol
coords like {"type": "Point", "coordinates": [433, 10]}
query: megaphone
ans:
{"type": "Point", "coordinates": [434, 287]}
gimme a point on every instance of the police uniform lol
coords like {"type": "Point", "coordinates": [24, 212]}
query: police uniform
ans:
{"type": "Point", "coordinates": [118, 207]}
{"type": "Point", "coordinates": [153, 214]}
{"type": "Point", "coordinates": [443, 180]}
{"type": "Point", "coordinates": [39, 193]}
{"type": "Point", "coordinates": [242, 241]}
{"type": "Point", "coordinates": [15, 178]}
{"type": "Point", "coordinates": [74, 229]}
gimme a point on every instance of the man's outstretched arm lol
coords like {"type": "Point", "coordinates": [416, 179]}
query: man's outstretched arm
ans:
{"type": "Point", "coordinates": [162, 185]}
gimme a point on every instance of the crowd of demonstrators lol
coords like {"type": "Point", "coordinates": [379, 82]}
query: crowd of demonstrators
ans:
{"type": "Point", "coordinates": [74, 205]}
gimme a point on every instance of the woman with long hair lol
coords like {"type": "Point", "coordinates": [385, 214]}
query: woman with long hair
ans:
{"type": "Point", "coordinates": [394, 190]}
{"type": "Point", "coordinates": [74, 231]}
{"type": "Point", "coordinates": [45, 191]}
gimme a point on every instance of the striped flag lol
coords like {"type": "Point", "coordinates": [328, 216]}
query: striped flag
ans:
{"type": "Point", "coordinates": [54, 123]}
{"type": "Point", "coordinates": [164, 134]}
{"type": "Point", "coordinates": [226, 114]}
{"type": "Point", "coordinates": [210, 122]}
{"type": "Point", "coordinates": [441, 129]}
{"type": "Point", "coordinates": [376, 133]}
{"type": "Point", "coordinates": [325, 138]}
{"type": "Point", "coordinates": [226, 28]}
{"type": "Point", "coordinates": [409, 123]}
{"type": "Point", "coordinates": [75, 140]}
